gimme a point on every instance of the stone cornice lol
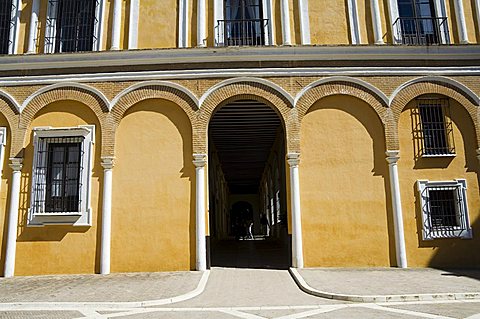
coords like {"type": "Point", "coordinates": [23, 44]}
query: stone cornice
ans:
{"type": "Point", "coordinates": [238, 54]}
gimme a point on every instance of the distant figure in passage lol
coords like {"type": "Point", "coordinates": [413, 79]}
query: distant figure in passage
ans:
{"type": "Point", "coordinates": [250, 227]}
{"type": "Point", "coordinates": [265, 225]}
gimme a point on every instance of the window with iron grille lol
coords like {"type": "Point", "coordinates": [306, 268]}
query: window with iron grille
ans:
{"type": "Point", "coordinates": [72, 25]}
{"type": "Point", "coordinates": [433, 128]}
{"type": "Point", "coordinates": [7, 14]}
{"type": "Point", "coordinates": [444, 209]}
{"type": "Point", "coordinates": [60, 176]}
{"type": "Point", "coordinates": [418, 25]}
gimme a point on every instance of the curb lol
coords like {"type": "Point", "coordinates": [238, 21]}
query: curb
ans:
{"type": "Point", "coordinates": [109, 304]}
{"type": "Point", "coordinates": [302, 284]}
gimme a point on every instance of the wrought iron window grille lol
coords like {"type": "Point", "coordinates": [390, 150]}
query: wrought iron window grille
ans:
{"type": "Point", "coordinates": [432, 128]}
{"type": "Point", "coordinates": [252, 32]}
{"type": "Point", "coordinates": [61, 174]}
{"type": "Point", "coordinates": [72, 25]}
{"type": "Point", "coordinates": [7, 24]}
{"type": "Point", "coordinates": [444, 209]}
{"type": "Point", "coordinates": [58, 175]}
{"type": "Point", "coordinates": [422, 31]}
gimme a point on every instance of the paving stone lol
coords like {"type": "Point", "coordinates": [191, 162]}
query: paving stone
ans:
{"type": "Point", "coordinates": [88, 288]}
{"type": "Point", "coordinates": [454, 310]}
{"type": "Point", "coordinates": [181, 315]}
{"type": "Point", "coordinates": [391, 281]}
{"type": "Point", "coordinates": [40, 314]}
{"type": "Point", "coordinates": [351, 313]}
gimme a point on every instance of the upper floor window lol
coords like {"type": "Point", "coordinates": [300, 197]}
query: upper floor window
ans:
{"type": "Point", "coordinates": [72, 25]}
{"type": "Point", "coordinates": [417, 23]}
{"type": "Point", "coordinates": [243, 23]}
{"type": "Point", "coordinates": [7, 24]}
{"type": "Point", "coordinates": [434, 127]}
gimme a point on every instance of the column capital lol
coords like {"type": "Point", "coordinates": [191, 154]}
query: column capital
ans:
{"type": "Point", "coordinates": [293, 159]}
{"type": "Point", "coordinates": [392, 156]}
{"type": "Point", "coordinates": [108, 162]}
{"type": "Point", "coordinates": [199, 160]}
{"type": "Point", "coordinates": [478, 153]}
{"type": "Point", "coordinates": [16, 163]}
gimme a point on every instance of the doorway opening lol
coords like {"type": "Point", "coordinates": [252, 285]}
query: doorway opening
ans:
{"type": "Point", "coordinates": [247, 196]}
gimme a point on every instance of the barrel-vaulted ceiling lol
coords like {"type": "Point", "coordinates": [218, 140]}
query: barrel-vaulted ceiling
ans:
{"type": "Point", "coordinates": [243, 133]}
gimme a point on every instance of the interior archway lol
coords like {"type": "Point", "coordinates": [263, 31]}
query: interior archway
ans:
{"type": "Point", "coordinates": [247, 197]}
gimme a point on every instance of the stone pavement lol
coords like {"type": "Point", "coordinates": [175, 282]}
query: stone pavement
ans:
{"type": "Point", "coordinates": [391, 281]}
{"type": "Point", "coordinates": [221, 293]}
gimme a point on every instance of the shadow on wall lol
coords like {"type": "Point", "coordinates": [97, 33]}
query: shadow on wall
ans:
{"type": "Point", "coordinates": [52, 233]}
{"type": "Point", "coordinates": [449, 253]}
{"type": "Point", "coordinates": [372, 123]}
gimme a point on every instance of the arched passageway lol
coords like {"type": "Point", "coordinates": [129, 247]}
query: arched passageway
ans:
{"type": "Point", "coordinates": [247, 197]}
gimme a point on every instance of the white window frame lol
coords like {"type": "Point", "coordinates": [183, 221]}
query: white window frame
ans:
{"type": "Point", "coordinates": [218, 14]}
{"type": "Point", "coordinates": [465, 230]}
{"type": "Point", "coordinates": [51, 30]}
{"type": "Point", "coordinates": [440, 11]}
{"type": "Point", "coordinates": [3, 142]}
{"type": "Point", "coordinates": [84, 216]}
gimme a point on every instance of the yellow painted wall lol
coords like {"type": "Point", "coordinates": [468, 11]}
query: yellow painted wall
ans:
{"type": "Point", "coordinates": [158, 24]}
{"type": "Point", "coordinates": [469, 8]}
{"type": "Point", "coordinates": [328, 22]}
{"type": "Point", "coordinates": [343, 174]}
{"type": "Point", "coordinates": [153, 213]}
{"type": "Point", "coordinates": [444, 252]}
{"type": "Point", "coordinates": [58, 249]}
{"type": "Point", "coordinates": [4, 193]}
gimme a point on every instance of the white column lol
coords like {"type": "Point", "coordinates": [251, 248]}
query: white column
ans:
{"type": "Point", "coordinates": [200, 160]}
{"type": "Point", "coordinates": [401, 253]}
{"type": "Point", "coordinates": [304, 22]}
{"type": "Point", "coordinates": [11, 246]}
{"type": "Point", "coordinates": [32, 31]}
{"type": "Point", "coordinates": [201, 24]}
{"type": "Point", "coordinates": [393, 12]}
{"type": "Point", "coordinates": [116, 24]}
{"type": "Point", "coordinates": [107, 164]}
{"type": "Point", "coordinates": [293, 160]}
{"type": "Point", "coordinates": [285, 16]}
{"type": "Point", "coordinates": [182, 23]}
{"type": "Point", "coordinates": [376, 21]}
{"type": "Point", "coordinates": [133, 24]}
{"type": "Point", "coordinates": [461, 24]}
{"type": "Point", "coordinates": [353, 22]}
{"type": "Point", "coordinates": [477, 11]}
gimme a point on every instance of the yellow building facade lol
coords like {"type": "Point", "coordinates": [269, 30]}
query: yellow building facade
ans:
{"type": "Point", "coordinates": [141, 135]}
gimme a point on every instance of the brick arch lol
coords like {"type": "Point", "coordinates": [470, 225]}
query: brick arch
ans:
{"type": "Point", "coordinates": [142, 93]}
{"type": "Point", "coordinates": [410, 92]}
{"type": "Point", "coordinates": [147, 92]}
{"type": "Point", "coordinates": [45, 97]}
{"type": "Point", "coordinates": [246, 90]}
{"type": "Point", "coordinates": [10, 112]}
{"type": "Point", "coordinates": [356, 90]}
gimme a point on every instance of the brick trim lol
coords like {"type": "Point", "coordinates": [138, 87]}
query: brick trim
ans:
{"type": "Point", "coordinates": [414, 90]}
{"type": "Point", "coordinates": [245, 90]}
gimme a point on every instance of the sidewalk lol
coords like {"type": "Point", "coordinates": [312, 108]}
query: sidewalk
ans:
{"type": "Point", "coordinates": [388, 284]}
{"type": "Point", "coordinates": [125, 287]}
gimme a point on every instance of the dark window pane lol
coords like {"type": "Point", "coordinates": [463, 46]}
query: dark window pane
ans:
{"type": "Point", "coordinates": [433, 128]}
{"type": "Point", "coordinates": [75, 25]}
{"type": "Point", "coordinates": [442, 208]}
{"type": "Point", "coordinates": [63, 173]}
{"type": "Point", "coordinates": [5, 24]}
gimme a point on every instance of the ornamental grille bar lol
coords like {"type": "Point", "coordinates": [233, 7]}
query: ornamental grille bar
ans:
{"type": "Point", "coordinates": [57, 175]}
{"type": "Point", "coordinates": [444, 211]}
{"type": "Point", "coordinates": [71, 25]}
{"type": "Point", "coordinates": [433, 129]}
{"type": "Point", "coordinates": [422, 31]}
{"type": "Point", "coordinates": [7, 10]}
{"type": "Point", "coordinates": [242, 32]}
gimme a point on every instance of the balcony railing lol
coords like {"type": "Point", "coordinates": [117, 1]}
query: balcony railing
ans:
{"type": "Point", "coordinates": [253, 32]}
{"type": "Point", "coordinates": [422, 31]}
